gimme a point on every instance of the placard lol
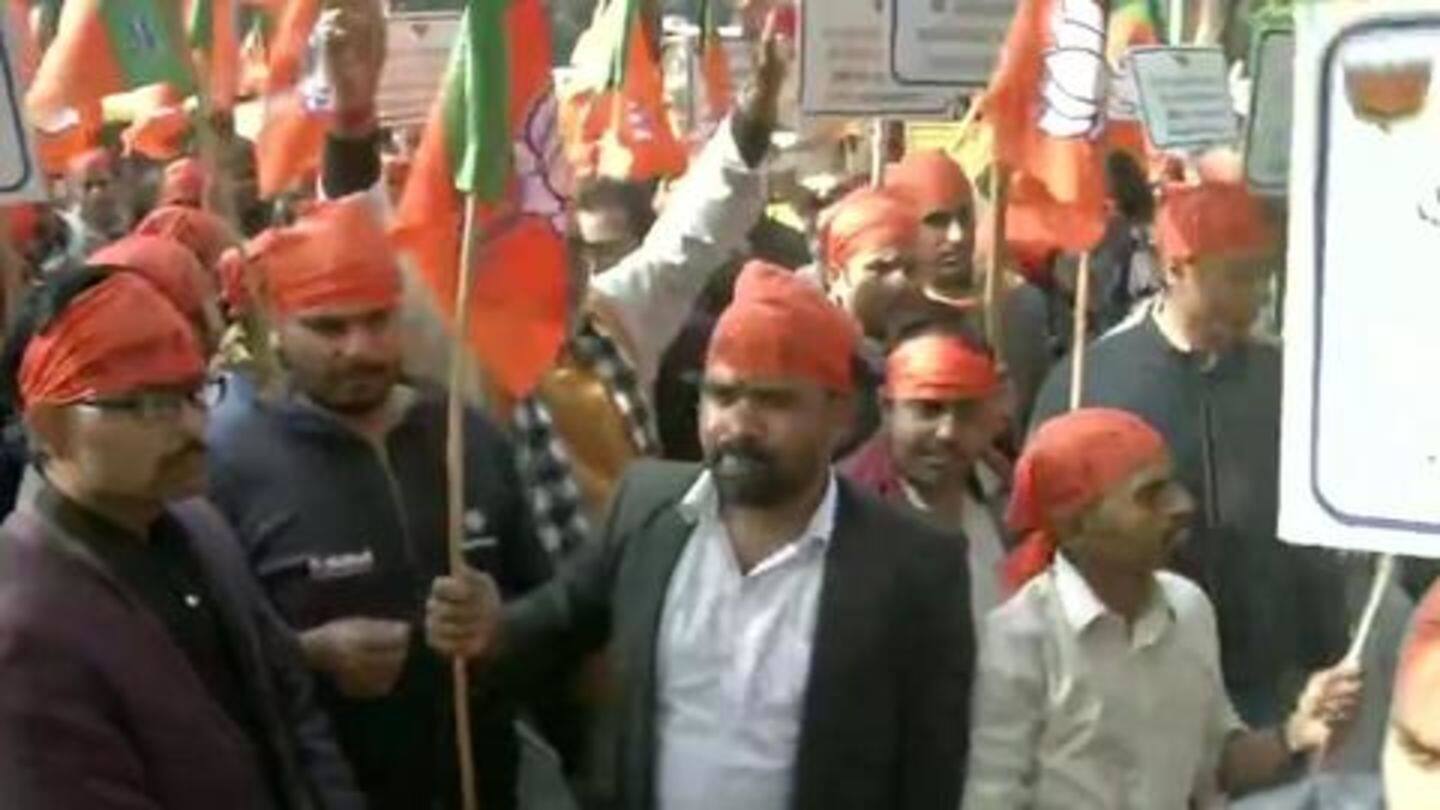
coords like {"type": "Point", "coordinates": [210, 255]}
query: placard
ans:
{"type": "Point", "coordinates": [417, 52]}
{"type": "Point", "coordinates": [1184, 96]}
{"type": "Point", "coordinates": [21, 178]}
{"type": "Point", "coordinates": [845, 63]}
{"type": "Point", "coordinates": [1267, 132]}
{"type": "Point", "coordinates": [947, 43]}
{"type": "Point", "coordinates": [1360, 429]}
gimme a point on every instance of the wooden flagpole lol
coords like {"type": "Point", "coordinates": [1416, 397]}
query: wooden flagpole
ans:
{"type": "Point", "coordinates": [999, 200]}
{"type": "Point", "coordinates": [1077, 342]}
{"type": "Point", "coordinates": [877, 152]}
{"type": "Point", "coordinates": [455, 500]}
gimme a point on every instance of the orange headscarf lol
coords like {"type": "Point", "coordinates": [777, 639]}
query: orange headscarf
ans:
{"type": "Point", "coordinates": [184, 183]}
{"type": "Point", "coordinates": [941, 368]}
{"type": "Point", "coordinates": [930, 181]}
{"type": "Point", "coordinates": [1069, 464]}
{"type": "Point", "coordinates": [337, 255]}
{"type": "Point", "coordinates": [779, 327]}
{"type": "Point", "coordinates": [1217, 220]}
{"type": "Point", "coordinates": [165, 263]}
{"type": "Point", "coordinates": [117, 337]}
{"type": "Point", "coordinates": [206, 235]}
{"type": "Point", "coordinates": [865, 220]}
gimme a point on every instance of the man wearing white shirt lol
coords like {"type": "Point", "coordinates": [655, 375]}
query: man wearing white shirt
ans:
{"type": "Point", "coordinates": [1099, 682]}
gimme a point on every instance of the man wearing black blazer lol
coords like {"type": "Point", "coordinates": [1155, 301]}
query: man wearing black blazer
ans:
{"type": "Point", "coordinates": [777, 638]}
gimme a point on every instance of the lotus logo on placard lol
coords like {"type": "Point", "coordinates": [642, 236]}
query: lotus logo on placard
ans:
{"type": "Point", "coordinates": [1073, 91]}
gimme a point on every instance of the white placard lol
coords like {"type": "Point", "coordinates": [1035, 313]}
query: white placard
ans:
{"type": "Point", "coordinates": [21, 178]}
{"type": "Point", "coordinates": [947, 43]}
{"type": "Point", "coordinates": [1360, 432]}
{"type": "Point", "coordinates": [1267, 137]}
{"type": "Point", "coordinates": [417, 52]}
{"type": "Point", "coordinates": [1184, 96]}
{"type": "Point", "coordinates": [845, 63]}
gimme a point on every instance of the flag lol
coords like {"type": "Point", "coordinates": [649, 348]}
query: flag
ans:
{"type": "Point", "coordinates": [103, 47]}
{"type": "Point", "coordinates": [621, 128]}
{"type": "Point", "coordinates": [714, 70]}
{"type": "Point", "coordinates": [213, 36]}
{"type": "Point", "coordinates": [493, 133]}
{"type": "Point", "coordinates": [1046, 103]}
{"type": "Point", "coordinates": [296, 103]}
{"type": "Point", "coordinates": [159, 123]}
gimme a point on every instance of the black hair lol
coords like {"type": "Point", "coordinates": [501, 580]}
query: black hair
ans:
{"type": "Point", "coordinates": [1129, 188]}
{"type": "Point", "coordinates": [634, 198]}
{"type": "Point", "coordinates": [41, 305]}
{"type": "Point", "coordinates": [930, 317]}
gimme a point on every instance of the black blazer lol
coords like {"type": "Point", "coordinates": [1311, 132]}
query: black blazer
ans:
{"type": "Point", "coordinates": [886, 715]}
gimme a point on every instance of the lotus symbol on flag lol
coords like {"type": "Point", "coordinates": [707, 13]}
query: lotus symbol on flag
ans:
{"type": "Point", "coordinates": [543, 174]}
{"type": "Point", "coordinates": [1073, 91]}
{"type": "Point", "coordinates": [1383, 94]}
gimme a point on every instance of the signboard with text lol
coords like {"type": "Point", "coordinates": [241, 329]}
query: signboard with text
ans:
{"type": "Point", "coordinates": [845, 63]}
{"type": "Point", "coordinates": [947, 43]}
{"type": "Point", "coordinates": [1267, 137]}
{"type": "Point", "coordinates": [1184, 96]}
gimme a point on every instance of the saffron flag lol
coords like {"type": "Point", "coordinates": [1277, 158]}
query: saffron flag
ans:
{"type": "Point", "coordinates": [493, 134]}
{"type": "Point", "coordinates": [714, 71]}
{"type": "Point", "coordinates": [296, 102]}
{"type": "Point", "coordinates": [1046, 103]}
{"type": "Point", "coordinates": [213, 34]}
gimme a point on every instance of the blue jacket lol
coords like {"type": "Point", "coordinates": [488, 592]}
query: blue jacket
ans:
{"type": "Point", "coordinates": [335, 528]}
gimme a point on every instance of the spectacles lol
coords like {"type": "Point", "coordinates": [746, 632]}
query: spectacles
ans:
{"type": "Point", "coordinates": [157, 406]}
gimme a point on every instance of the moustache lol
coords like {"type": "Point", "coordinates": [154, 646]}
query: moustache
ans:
{"type": "Point", "coordinates": [740, 457]}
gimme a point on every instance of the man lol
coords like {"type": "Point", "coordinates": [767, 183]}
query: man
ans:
{"type": "Point", "coordinates": [1099, 682]}
{"type": "Point", "coordinates": [611, 220]}
{"type": "Point", "coordinates": [206, 235]}
{"type": "Point", "coordinates": [176, 273]}
{"type": "Point", "coordinates": [868, 245]}
{"type": "Point", "coordinates": [140, 666]}
{"type": "Point", "coordinates": [943, 404]}
{"type": "Point", "coordinates": [945, 245]}
{"type": "Point", "coordinates": [99, 212]}
{"type": "Point", "coordinates": [1189, 366]}
{"type": "Point", "coordinates": [184, 183]}
{"type": "Point", "coordinates": [1412, 748]}
{"type": "Point", "coordinates": [336, 485]}
{"type": "Point", "coordinates": [779, 639]}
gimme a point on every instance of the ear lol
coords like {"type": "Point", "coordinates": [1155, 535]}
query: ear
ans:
{"type": "Point", "coordinates": [51, 427]}
{"type": "Point", "coordinates": [843, 411]}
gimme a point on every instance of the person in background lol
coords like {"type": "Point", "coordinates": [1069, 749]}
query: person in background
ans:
{"type": "Point", "coordinates": [206, 235]}
{"type": "Point", "coordinates": [1412, 746]}
{"type": "Point", "coordinates": [1190, 367]}
{"type": "Point", "coordinates": [945, 245]}
{"type": "Point", "coordinates": [184, 183]}
{"type": "Point", "coordinates": [869, 247]}
{"type": "Point", "coordinates": [768, 652]}
{"type": "Point", "coordinates": [140, 666]}
{"type": "Point", "coordinates": [611, 220]}
{"type": "Point", "coordinates": [944, 403]}
{"type": "Point", "coordinates": [99, 211]}
{"type": "Point", "coordinates": [1100, 681]}
{"type": "Point", "coordinates": [176, 273]}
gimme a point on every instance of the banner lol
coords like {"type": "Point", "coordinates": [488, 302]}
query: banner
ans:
{"type": "Point", "coordinates": [947, 43]}
{"type": "Point", "coordinates": [1184, 96]}
{"type": "Point", "coordinates": [845, 63]}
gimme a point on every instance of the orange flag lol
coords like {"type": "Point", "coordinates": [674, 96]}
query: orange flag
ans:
{"type": "Point", "coordinates": [292, 131]}
{"type": "Point", "coordinates": [714, 70]}
{"type": "Point", "coordinates": [1046, 103]}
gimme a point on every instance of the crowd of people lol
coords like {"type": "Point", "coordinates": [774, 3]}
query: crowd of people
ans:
{"type": "Point", "coordinates": [799, 517]}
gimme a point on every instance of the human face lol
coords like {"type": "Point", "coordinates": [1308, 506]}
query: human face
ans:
{"type": "Point", "coordinates": [344, 358]}
{"type": "Point", "coordinates": [98, 195]}
{"type": "Point", "coordinates": [1411, 761]}
{"type": "Point", "coordinates": [874, 284]}
{"type": "Point", "coordinates": [1219, 299]}
{"type": "Point", "coordinates": [936, 442]}
{"type": "Point", "coordinates": [143, 446]}
{"type": "Point", "coordinates": [768, 442]}
{"type": "Point", "coordinates": [946, 247]}
{"type": "Point", "coordinates": [606, 236]}
{"type": "Point", "coordinates": [1136, 526]}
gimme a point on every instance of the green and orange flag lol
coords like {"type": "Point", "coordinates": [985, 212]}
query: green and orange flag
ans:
{"type": "Point", "coordinates": [493, 137]}
{"type": "Point", "coordinates": [295, 116]}
{"type": "Point", "coordinates": [213, 33]}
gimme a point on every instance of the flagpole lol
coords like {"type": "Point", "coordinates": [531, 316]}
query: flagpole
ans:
{"type": "Point", "coordinates": [1077, 342]}
{"type": "Point", "coordinates": [999, 200]}
{"type": "Point", "coordinates": [455, 501]}
{"type": "Point", "coordinates": [877, 152]}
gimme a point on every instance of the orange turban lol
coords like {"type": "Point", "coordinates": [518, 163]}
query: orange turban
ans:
{"type": "Point", "coordinates": [865, 220]}
{"type": "Point", "coordinates": [337, 255]}
{"type": "Point", "coordinates": [206, 235]}
{"type": "Point", "coordinates": [779, 327]}
{"type": "Point", "coordinates": [941, 368]}
{"type": "Point", "coordinates": [184, 183]}
{"type": "Point", "coordinates": [1071, 462]}
{"type": "Point", "coordinates": [1219, 220]}
{"type": "Point", "coordinates": [90, 160]}
{"type": "Point", "coordinates": [165, 263]}
{"type": "Point", "coordinates": [117, 337]}
{"type": "Point", "coordinates": [22, 222]}
{"type": "Point", "coordinates": [1417, 679]}
{"type": "Point", "coordinates": [930, 181]}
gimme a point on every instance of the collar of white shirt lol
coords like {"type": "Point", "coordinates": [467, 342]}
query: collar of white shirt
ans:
{"type": "Point", "coordinates": [1082, 608]}
{"type": "Point", "coordinates": [701, 504]}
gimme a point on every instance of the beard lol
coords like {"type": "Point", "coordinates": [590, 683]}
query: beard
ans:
{"type": "Point", "coordinates": [747, 475]}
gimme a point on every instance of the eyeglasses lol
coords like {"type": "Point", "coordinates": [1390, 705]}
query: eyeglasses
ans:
{"type": "Point", "coordinates": [157, 406]}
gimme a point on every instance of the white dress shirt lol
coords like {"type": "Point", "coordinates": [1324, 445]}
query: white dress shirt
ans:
{"type": "Point", "coordinates": [984, 541]}
{"type": "Point", "coordinates": [733, 663]}
{"type": "Point", "coordinates": [1075, 711]}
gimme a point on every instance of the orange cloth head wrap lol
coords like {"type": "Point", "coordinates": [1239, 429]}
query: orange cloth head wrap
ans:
{"type": "Point", "coordinates": [939, 368]}
{"type": "Point", "coordinates": [779, 327]}
{"type": "Point", "coordinates": [930, 181]}
{"type": "Point", "coordinates": [205, 234]}
{"type": "Point", "coordinates": [1071, 462]}
{"type": "Point", "coordinates": [1219, 220]}
{"type": "Point", "coordinates": [120, 336]}
{"type": "Point", "coordinates": [865, 220]}
{"type": "Point", "coordinates": [184, 183]}
{"type": "Point", "coordinates": [167, 264]}
{"type": "Point", "coordinates": [337, 255]}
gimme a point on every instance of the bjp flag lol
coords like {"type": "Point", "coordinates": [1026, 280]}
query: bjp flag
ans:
{"type": "Point", "coordinates": [296, 109]}
{"type": "Point", "coordinates": [1046, 105]}
{"type": "Point", "coordinates": [714, 71]}
{"type": "Point", "coordinates": [212, 29]}
{"type": "Point", "coordinates": [493, 137]}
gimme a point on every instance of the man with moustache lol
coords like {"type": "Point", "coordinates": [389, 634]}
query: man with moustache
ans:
{"type": "Point", "coordinates": [140, 665]}
{"type": "Point", "coordinates": [778, 638]}
{"type": "Point", "coordinates": [336, 485]}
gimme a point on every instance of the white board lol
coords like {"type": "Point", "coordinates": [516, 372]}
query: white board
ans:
{"type": "Point", "coordinates": [845, 64]}
{"type": "Point", "coordinates": [1272, 102]}
{"type": "Point", "coordinates": [1184, 96]}
{"type": "Point", "coordinates": [947, 43]}
{"type": "Point", "coordinates": [21, 178]}
{"type": "Point", "coordinates": [417, 51]}
{"type": "Point", "coordinates": [1360, 436]}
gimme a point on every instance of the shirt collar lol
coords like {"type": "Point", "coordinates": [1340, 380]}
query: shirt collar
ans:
{"type": "Point", "coordinates": [701, 502]}
{"type": "Point", "coordinates": [1083, 608]}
